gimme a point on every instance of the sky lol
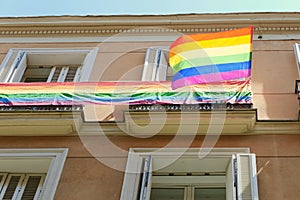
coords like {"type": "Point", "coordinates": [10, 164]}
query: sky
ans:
{"type": "Point", "coordinates": [17, 8]}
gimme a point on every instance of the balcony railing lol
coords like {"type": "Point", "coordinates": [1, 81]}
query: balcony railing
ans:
{"type": "Point", "coordinates": [190, 107]}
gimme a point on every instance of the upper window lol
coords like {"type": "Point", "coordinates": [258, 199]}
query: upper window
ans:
{"type": "Point", "coordinates": [30, 173]}
{"type": "Point", "coordinates": [156, 67]}
{"type": "Point", "coordinates": [190, 175]}
{"type": "Point", "coordinates": [297, 55]}
{"type": "Point", "coordinates": [47, 65]}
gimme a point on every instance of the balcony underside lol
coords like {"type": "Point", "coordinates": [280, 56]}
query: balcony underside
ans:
{"type": "Point", "coordinates": [70, 121]}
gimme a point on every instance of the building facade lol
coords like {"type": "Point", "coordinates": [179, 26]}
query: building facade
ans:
{"type": "Point", "coordinates": [140, 151]}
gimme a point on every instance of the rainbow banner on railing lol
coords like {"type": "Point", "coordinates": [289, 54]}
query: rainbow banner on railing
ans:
{"type": "Point", "coordinates": [120, 93]}
{"type": "Point", "coordinates": [211, 57]}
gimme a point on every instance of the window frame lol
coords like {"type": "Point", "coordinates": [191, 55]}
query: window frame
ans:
{"type": "Point", "coordinates": [297, 56]}
{"type": "Point", "coordinates": [156, 67]}
{"type": "Point", "coordinates": [136, 159]}
{"type": "Point", "coordinates": [53, 170]}
{"type": "Point", "coordinates": [17, 57]}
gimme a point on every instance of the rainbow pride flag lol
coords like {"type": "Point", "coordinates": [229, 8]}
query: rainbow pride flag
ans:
{"type": "Point", "coordinates": [122, 93]}
{"type": "Point", "coordinates": [211, 57]}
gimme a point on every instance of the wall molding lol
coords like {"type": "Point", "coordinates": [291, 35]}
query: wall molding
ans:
{"type": "Point", "coordinates": [86, 26]}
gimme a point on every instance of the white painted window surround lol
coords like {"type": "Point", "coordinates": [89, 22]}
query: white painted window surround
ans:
{"type": "Point", "coordinates": [29, 163]}
{"type": "Point", "coordinates": [156, 67]}
{"type": "Point", "coordinates": [231, 168]}
{"type": "Point", "coordinates": [17, 186]}
{"type": "Point", "coordinates": [56, 62]}
{"type": "Point", "coordinates": [297, 55]}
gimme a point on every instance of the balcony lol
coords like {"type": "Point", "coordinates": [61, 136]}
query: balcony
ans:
{"type": "Point", "coordinates": [151, 108]}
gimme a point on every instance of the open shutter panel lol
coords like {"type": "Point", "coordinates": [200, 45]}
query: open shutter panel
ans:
{"type": "Point", "coordinates": [63, 74]}
{"type": "Point", "coordinates": [78, 74]}
{"type": "Point", "coordinates": [146, 181]}
{"type": "Point", "coordinates": [31, 187]}
{"type": "Point", "coordinates": [11, 186]}
{"type": "Point", "coordinates": [2, 180]}
{"type": "Point", "coordinates": [19, 67]}
{"type": "Point", "coordinates": [51, 74]}
{"type": "Point", "coordinates": [246, 177]}
{"type": "Point", "coordinates": [162, 68]}
{"type": "Point", "coordinates": [133, 176]}
{"type": "Point", "coordinates": [231, 180]}
{"type": "Point", "coordinates": [150, 64]}
{"type": "Point", "coordinates": [297, 55]}
{"type": "Point", "coordinates": [156, 64]}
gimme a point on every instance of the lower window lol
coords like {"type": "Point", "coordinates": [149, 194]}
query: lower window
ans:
{"type": "Point", "coordinates": [180, 174]}
{"type": "Point", "coordinates": [187, 192]}
{"type": "Point", "coordinates": [30, 174]}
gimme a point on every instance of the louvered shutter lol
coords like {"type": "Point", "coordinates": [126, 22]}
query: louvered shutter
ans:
{"type": "Point", "coordinates": [231, 180]}
{"type": "Point", "coordinates": [161, 73]}
{"type": "Point", "coordinates": [11, 186]}
{"type": "Point", "coordinates": [78, 73]}
{"type": "Point", "coordinates": [31, 187]}
{"type": "Point", "coordinates": [19, 66]}
{"type": "Point", "coordinates": [65, 74]}
{"type": "Point", "coordinates": [155, 65]}
{"type": "Point", "coordinates": [146, 180]}
{"type": "Point", "coordinates": [297, 55]}
{"type": "Point", "coordinates": [2, 180]}
{"type": "Point", "coordinates": [246, 177]}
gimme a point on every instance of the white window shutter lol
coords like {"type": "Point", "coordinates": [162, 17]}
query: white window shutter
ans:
{"type": "Point", "coordinates": [31, 186]}
{"type": "Point", "coordinates": [156, 64]}
{"type": "Point", "coordinates": [133, 176]}
{"type": "Point", "coordinates": [231, 180]}
{"type": "Point", "coordinates": [146, 181]}
{"type": "Point", "coordinates": [297, 55]}
{"type": "Point", "coordinates": [77, 74]}
{"type": "Point", "coordinates": [51, 74]}
{"type": "Point", "coordinates": [63, 74]}
{"type": "Point", "coordinates": [150, 64]}
{"type": "Point", "coordinates": [2, 179]}
{"type": "Point", "coordinates": [19, 67]}
{"type": "Point", "coordinates": [161, 73]}
{"type": "Point", "coordinates": [11, 186]}
{"type": "Point", "coordinates": [246, 177]}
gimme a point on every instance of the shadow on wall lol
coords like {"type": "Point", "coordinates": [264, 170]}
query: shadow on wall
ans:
{"type": "Point", "coordinates": [274, 72]}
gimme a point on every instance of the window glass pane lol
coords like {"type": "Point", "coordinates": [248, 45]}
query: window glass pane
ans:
{"type": "Point", "coordinates": [210, 193]}
{"type": "Point", "coordinates": [167, 193]}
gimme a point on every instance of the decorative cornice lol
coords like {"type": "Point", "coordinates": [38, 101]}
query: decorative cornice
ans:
{"type": "Point", "coordinates": [75, 26]}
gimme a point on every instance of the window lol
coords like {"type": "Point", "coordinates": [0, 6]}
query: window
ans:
{"type": "Point", "coordinates": [47, 65]}
{"type": "Point", "coordinates": [297, 55]}
{"type": "Point", "coordinates": [218, 174]}
{"type": "Point", "coordinates": [30, 173]}
{"type": "Point", "coordinates": [156, 67]}
{"type": "Point", "coordinates": [21, 186]}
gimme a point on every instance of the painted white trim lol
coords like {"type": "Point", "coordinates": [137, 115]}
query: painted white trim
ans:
{"type": "Point", "coordinates": [132, 176]}
{"type": "Point", "coordinates": [38, 190]}
{"type": "Point", "coordinates": [297, 56]}
{"type": "Point", "coordinates": [136, 155]}
{"type": "Point", "coordinates": [117, 38]}
{"type": "Point", "coordinates": [58, 156]}
{"type": "Point", "coordinates": [253, 175]}
{"type": "Point", "coordinates": [18, 187]}
{"type": "Point", "coordinates": [147, 179]}
{"type": "Point", "coordinates": [87, 65]}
